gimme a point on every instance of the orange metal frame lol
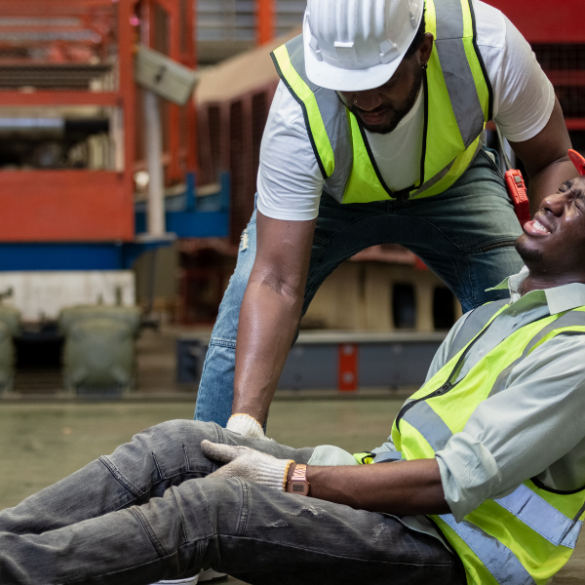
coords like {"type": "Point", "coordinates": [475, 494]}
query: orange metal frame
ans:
{"type": "Point", "coordinates": [83, 205]}
{"type": "Point", "coordinates": [73, 205]}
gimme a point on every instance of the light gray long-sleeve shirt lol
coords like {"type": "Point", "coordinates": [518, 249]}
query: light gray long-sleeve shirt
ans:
{"type": "Point", "coordinates": [533, 429]}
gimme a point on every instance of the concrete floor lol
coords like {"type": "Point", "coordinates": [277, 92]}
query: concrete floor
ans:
{"type": "Point", "coordinates": [41, 443]}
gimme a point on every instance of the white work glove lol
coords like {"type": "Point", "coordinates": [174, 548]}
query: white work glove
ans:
{"type": "Point", "coordinates": [248, 464]}
{"type": "Point", "coordinates": [247, 426]}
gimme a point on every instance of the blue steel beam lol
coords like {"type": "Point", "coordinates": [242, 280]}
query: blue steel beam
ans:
{"type": "Point", "coordinates": [73, 256]}
{"type": "Point", "coordinates": [189, 216]}
{"type": "Point", "coordinates": [191, 225]}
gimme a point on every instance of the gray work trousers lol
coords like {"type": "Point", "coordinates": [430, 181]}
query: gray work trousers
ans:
{"type": "Point", "coordinates": [147, 513]}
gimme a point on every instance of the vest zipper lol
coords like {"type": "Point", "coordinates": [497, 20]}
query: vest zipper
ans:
{"type": "Point", "coordinates": [447, 386]}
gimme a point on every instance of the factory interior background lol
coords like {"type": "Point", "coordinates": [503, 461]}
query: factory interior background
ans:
{"type": "Point", "coordinates": [130, 135]}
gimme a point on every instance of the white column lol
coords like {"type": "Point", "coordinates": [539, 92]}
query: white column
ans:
{"type": "Point", "coordinates": [156, 194]}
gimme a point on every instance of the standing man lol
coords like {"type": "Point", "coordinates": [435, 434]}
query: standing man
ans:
{"type": "Point", "coordinates": [376, 136]}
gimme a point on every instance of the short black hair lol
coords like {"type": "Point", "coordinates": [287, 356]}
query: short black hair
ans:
{"type": "Point", "coordinates": [418, 39]}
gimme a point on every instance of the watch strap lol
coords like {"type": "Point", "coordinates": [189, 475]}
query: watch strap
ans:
{"type": "Point", "coordinates": [297, 483]}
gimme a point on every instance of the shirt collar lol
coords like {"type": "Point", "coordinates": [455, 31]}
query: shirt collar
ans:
{"type": "Point", "coordinates": [559, 299]}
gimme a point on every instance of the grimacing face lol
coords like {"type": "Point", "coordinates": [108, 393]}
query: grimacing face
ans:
{"type": "Point", "coordinates": [381, 109]}
{"type": "Point", "coordinates": [553, 243]}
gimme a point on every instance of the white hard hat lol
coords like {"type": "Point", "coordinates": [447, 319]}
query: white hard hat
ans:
{"type": "Point", "coordinates": [355, 45]}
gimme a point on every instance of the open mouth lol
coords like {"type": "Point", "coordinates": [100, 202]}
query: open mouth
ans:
{"type": "Point", "coordinates": [374, 117]}
{"type": "Point", "coordinates": [536, 228]}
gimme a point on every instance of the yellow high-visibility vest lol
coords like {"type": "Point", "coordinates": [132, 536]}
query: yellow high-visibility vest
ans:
{"type": "Point", "coordinates": [457, 105]}
{"type": "Point", "coordinates": [523, 538]}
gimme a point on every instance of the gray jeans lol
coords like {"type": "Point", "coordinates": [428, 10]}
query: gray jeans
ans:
{"type": "Point", "coordinates": [146, 513]}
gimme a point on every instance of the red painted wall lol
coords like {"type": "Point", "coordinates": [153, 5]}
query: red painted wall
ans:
{"type": "Point", "coordinates": [543, 21]}
{"type": "Point", "coordinates": [52, 206]}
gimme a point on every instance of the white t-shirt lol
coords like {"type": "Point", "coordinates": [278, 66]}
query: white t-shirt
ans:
{"type": "Point", "coordinates": [290, 182]}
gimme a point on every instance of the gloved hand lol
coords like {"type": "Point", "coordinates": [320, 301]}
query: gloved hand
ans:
{"type": "Point", "coordinates": [248, 464]}
{"type": "Point", "coordinates": [247, 426]}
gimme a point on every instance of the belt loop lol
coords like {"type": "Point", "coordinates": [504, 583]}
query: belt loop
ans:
{"type": "Point", "coordinates": [402, 196]}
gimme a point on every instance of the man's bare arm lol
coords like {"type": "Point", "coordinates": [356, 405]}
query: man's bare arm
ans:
{"type": "Point", "coordinates": [545, 158]}
{"type": "Point", "coordinates": [270, 311]}
{"type": "Point", "coordinates": [405, 488]}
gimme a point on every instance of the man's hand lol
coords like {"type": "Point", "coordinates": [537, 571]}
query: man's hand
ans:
{"type": "Point", "coordinates": [247, 426]}
{"type": "Point", "coordinates": [248, 464]}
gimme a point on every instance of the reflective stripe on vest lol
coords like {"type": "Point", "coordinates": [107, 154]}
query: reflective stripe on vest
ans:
{"type": "Point", "coordinates": [475, 322]}
{"type": "Point", "coordinates": [455, 29]}
{"type": "Point", "coordinates": [498, 559]}
{"type": "Point", "coordinates": [537, 513]}
{"type": "Point", "coordinates": [527, 536]}
{"type": "Point", "coordinates": [308, 102]}
{"type": "Point", "coordinates": [570, 319]}
{"type": "Point", "coordinates": [458, 103]}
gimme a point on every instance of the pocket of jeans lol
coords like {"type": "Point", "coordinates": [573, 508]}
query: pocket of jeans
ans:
{"type": "Point", "coordinates": [491, 161]}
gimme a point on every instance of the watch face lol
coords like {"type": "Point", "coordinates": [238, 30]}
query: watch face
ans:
{"type": "Point", "coordinates": [300, 488]}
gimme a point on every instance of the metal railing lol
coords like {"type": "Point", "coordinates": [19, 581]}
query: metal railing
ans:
{"type": "Point", "coordinates": [235, 20]}
{"type": "Point", "coordinates": [289, 14]}
{"type": "Point", "coordinates": [226, 20]}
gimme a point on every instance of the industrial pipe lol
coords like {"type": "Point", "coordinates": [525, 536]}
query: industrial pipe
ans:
{"type": "Point", "coordinates": [154, 148]}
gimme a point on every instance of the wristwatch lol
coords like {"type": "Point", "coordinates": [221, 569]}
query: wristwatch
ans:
{"type": "Point", "coordinates": [298, 484]}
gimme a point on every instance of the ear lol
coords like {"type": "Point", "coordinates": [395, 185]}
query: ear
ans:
{"type": "Point", "coordinates": [426, 48]}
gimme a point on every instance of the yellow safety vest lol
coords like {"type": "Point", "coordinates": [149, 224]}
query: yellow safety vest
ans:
{"type": "Point", "coordinates": [527, 536]}
{"type": "Point", "coordinates": [457, 105]}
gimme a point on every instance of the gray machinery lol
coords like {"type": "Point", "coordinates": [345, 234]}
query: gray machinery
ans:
{"type": "Point", "coordinates": [9, 329]}
{"type": "Point", "coordinates": [99, 356]}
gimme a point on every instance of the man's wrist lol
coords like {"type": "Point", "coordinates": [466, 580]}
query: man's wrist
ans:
{"type": "Point", "coordinates": [245, 425]}
{"type": "Point", "coordinates": [296, 482]}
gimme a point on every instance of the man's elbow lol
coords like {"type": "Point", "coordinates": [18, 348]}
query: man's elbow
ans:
{"type": "Point", "coordinates": [288, 286]}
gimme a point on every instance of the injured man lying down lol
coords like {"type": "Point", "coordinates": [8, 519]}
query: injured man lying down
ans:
{"type": "Point", "coordinates": [482, 480]}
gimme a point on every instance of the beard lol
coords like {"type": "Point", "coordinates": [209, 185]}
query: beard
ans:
{"type": "Point", "coordinates": [395, 115]}
{"type": "Point", "coordinates": [530, 257]}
